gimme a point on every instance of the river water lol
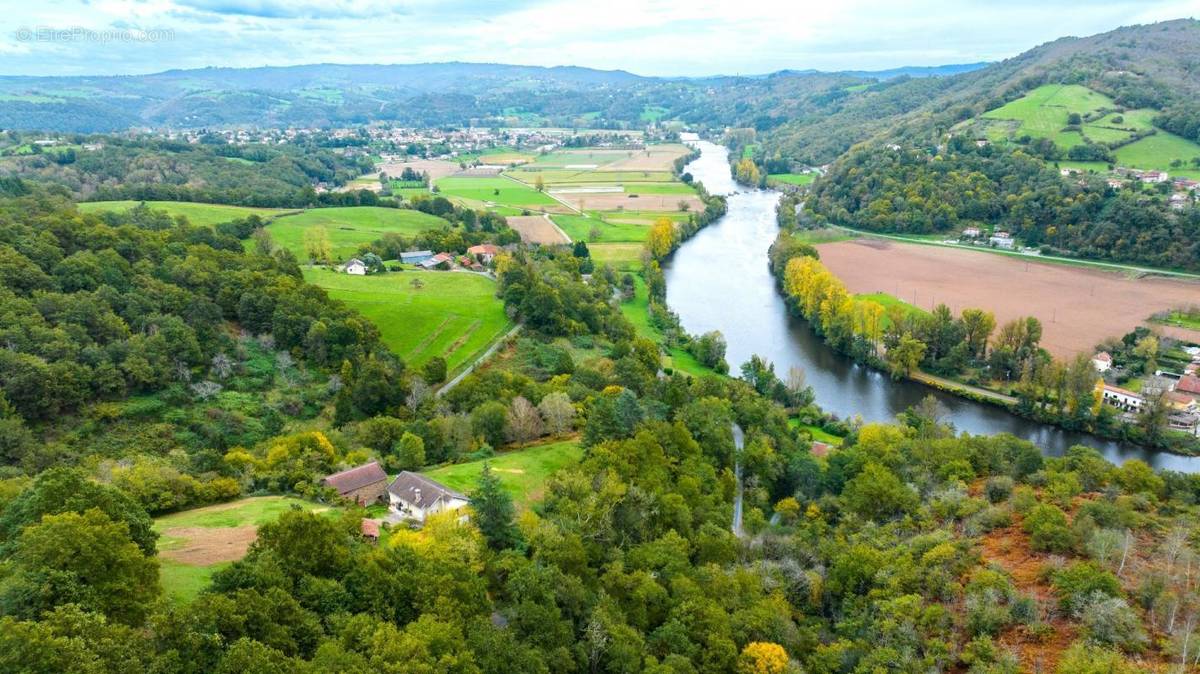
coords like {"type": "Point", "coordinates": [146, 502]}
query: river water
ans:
{"type": "Point", "coordinates": [719, 280]}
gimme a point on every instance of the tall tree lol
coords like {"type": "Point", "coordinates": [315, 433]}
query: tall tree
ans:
{"type": "Point", "coordinates": [494, 511]}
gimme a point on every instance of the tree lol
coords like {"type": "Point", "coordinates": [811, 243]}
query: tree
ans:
{"type": "Point", "coordinates": [317, 246]}
{"type": "Point", "coordinates": [524, 421]}
{"type": "Point", "coordinates": [978, 326]}
{"type": "Point", "coordinates": [905, 356]}
{"type": "Point", "coordinates": [762, 657]}
{"type": "Point", "coordinates": [494, 511]}
{"type": "Point", "coordinates": [662, 238]}
{"type": "Point", "coordinates": [490, 422]}
{"type": "Point", "coordinates": [539, 183]}
{"type": "Point", "coordinates": [86, 559]}
{"type": "Point", "coordinates": [434, 370]}
{"type": "Point", "coordinates": [877, 494]}
{"type": "Point", "coordinates": [558, 412]}
{"type": "Point", "coordinates": [410, 451]}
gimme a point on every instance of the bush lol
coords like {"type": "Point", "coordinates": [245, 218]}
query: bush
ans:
{"type": "Point", "coordinates": [998, 488]}
{"type": "Point", "coordinates": [1110, 621]}
{"type": "Point", "coordinates": [1078, 583]}
{"type": "Point", "coordinates": [1048, 529]}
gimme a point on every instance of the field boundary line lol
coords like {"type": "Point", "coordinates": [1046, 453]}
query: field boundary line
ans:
{"type": "Point", "coordinates": [479, 361]}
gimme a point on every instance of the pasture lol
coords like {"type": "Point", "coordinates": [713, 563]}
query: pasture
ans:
{"type": "Point", "coordinates": [522, 472]}
{"type": "Point", "coordinates": [496, 190]}
{"type": "Point", "coordinates": [1078, 306]}
{"type": "Point", "coordinates": [196, 213]}
{"type": "Point", "coordinates": [349, 227]}
{"type": "Point", "coordinates": [1157, 152]}
{"type": "Point", "coordinates": [792, 178]}
{"type": "Point", "coordinates": [455, 315]}
{"type": "Point", "coordinates": [194, 544]}
{"type": "Point", "coordinates": [582, 227]}
{"type": "Point", "coordinates": [436, 168]}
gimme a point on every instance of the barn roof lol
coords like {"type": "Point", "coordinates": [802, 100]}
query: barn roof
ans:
{"type": "Point", "coordinates": [1189, 383]}
{"type": "Point", "coordinates": [356, 478]}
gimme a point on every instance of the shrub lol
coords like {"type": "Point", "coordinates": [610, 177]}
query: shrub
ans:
{"type": "Point", "coordinates": [1048, 529]}
{"type": "Point", "coordinates": [1078, 583]}
{"type": "Point", "coordinates": [1110, 621]}
{"type": "Point", "coordinates": [998, 488]}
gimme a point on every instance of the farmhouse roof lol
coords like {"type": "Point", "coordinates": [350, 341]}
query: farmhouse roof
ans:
{"type": "Point", "coordinates": [1103, 357]}
{"type": "Point", "coordinates": [420, 491]}
{"type": "Point", "coordinates": [370, 528]}
{"type": "Point", "coordinates": [484, 249]}
{"type": "Point", "coordinates": [356, 478]}
{"type": "Point", "coordinates": [1189, 383]}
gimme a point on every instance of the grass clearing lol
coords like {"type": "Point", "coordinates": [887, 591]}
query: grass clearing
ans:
{"type": "Point", "coordinates": [580, 227]}
{"type": "Point", "coordinates": [455, 315]}
{"type": "Point", "coordinates": [349, 227]}
{"type": "Point", "coordinates": [197, 213]}
{"type": "Point", "coordinates": [195, 544]}
{"type": "Point", "coordinates": [523, 472]}
{"type": "Point", "coordinates": [792, 178]}
{"type": "Point", "coordinates": [892, 301]}
{"type": "Point", "coordinates": [1158, 151]}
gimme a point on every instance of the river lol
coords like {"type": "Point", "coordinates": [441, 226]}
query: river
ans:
{"type": "Point", "coordinates": [719, 280]}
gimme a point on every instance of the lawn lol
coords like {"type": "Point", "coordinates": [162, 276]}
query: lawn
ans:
{"type": "Point", "coordinates": [196, 213]}
{"type": "Point", "coordinates": [184, 543]}
{"type": "Point", "coordinates": [892, 301]}
{"type": "Point", "coordinates": [523, 472]}
{"type": "Point", "coordinates": [349, 227]}
{"type": "Point", "coordinates": [500, 191]}
{"type": "Point", "coordinates": [792, 178]}
{"type": "Point", "coordinates": [620, 256]}
{"type": "Point", "coordinates": [817, 433]}
{"type": "Point", "coordinates": [454, 315]}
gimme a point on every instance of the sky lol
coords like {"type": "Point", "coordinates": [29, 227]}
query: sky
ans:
{"type": "Point", "coordinates": [647, 37]}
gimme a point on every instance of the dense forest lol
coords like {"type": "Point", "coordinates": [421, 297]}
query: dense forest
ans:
{"type": "Point", "coordinates": [919, 191]}
{"type": "Point", "coordinates": [213, 171]}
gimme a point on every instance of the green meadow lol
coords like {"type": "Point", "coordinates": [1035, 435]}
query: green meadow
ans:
{"type": "Point", "coordinates": [792, 178]}
{"type": "Point", "coordinates": [196, 213]}
{"type": "Point", "coordinates": [348, 227]}
{"type": "Point", "coordinates": [579, 228]}
{"type": "Point", "coordinates": [181, 581]}
{"type": "Point", "coordinates": [1157, 152]}
{"type": "Point", "coordinates": [522, 472]}
{"type": "Point", "coordinates": [501, 191]}
{"type": "Point", "coordinates": [453, 315]}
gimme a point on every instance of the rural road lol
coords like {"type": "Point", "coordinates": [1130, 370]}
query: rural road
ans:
{"type": "Point", "coordinates": [739, 439]}
{"type": "Point", "coordinates": [949, 385]}
{"type": "Point", "coordinates": [478, 361]}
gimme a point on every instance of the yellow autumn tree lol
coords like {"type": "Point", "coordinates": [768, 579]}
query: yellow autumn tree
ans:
{"type": "Point", "coordinates": [762, 657]}
{"type": "Point", "coordinates": [317, 246]}
{"type": "Point", "coordinates": [661, 241]}
{"type": "Point", "coordinates": [747, 172]}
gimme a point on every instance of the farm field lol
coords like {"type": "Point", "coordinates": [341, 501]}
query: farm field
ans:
{"type": "Point", "coordinates": [621, 256]}
{"type": "Point", "coordinates": [194, 544]}
{"type": "Point", "coordinates": [1078, 307]}
{"type": "Point", "coordinates": [455, 315]}
{"type": "Point", "coordinates": [1157, 152]}
{"type": "Point", "coordinates": [523, 472]}
{"type": "Point", "coordinates": [196, 213]}
{"type": "Point", "coordinates": [436, 168]}
{"type": "Point", "coordinates": [621, 201]}
{"type": "Point", "coordinates": [497, 190]}
{"type": "Point", "coordinates": [579, 228]}
{"type": "Point", "coordinates": [348, 227]}
{"type": "Point", "coordinates": [536, 229]}
{"type": "Point", "coordinates": [1043, 112]}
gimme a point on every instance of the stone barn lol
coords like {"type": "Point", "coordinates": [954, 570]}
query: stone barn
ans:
{"type": "Point", "coordinates": [363, 484]}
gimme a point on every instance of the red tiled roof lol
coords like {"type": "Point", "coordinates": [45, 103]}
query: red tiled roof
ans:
{"type": "Point", "coordinates": [1189, 384]}
{"type": "Point", "coordinates": [370, 528]}
{"type": "Point", "coordinates": [356, 478]}
{"type": "Point", "coordinates": [484, 249]}
{"type": "Point", "coordinates": [1103, 357]}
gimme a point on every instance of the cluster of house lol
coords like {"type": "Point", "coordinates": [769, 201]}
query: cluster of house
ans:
{"type": "Point", "coordinates": [411, 497]}
{"type": "Point", "coordinates": [1181, 392]}
{"type": "Point", "coordinates": [997, 239]}
{"type": "Point", "coordinates": [1185, 189]}
{"type": "Point", "coordinates": [478, 258]}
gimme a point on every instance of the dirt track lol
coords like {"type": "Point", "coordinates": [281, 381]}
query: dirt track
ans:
{"type": "Point", "coordinates": [1078, 307]}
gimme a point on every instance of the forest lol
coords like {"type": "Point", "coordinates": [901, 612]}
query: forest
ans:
{"type": "Point", "coordinates": [921, 191]}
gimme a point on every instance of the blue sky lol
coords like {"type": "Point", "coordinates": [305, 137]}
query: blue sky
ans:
{"type": "Point", "coordinates": [649, 37]}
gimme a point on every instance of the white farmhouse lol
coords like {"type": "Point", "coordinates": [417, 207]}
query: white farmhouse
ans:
{"type": "Point", "coordinates": [416, 497]}
{"type": "Point", "coordinates": [1001, 240]}
{"type": "Point", "coordinates": [1102, 361]}
{"type": "Point", "coordinates": [356, 267]}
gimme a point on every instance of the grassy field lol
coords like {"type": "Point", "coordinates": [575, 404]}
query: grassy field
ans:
{"type": "Point", "coordinates": [792, 178]}
{"type": "Point", "coordinates": [891, 301]}
{"type": "Point", "coordinates": [1157, 152]}
{"type": "Point", "coordinates": [349, 227]}
{"type": "Point", "coordinates": [1183, 319]}
{"type": "Point", "coordinates": [196, 213]}
{"type": "Point", "coordinates": [454, 315]}
{"type": "Point", "coordinates": [523, 472]}
{"type": "Point", "coordinates": [183, 578]}
{"type": "Point", "coordinates": [1043, 112]}
{"type": "Point", "coordinates": [579, 228]}
{"type": "Point", "coordinates": [620, 256]}
{"type": "Point", "coordinates": [637, 311]}
{"type": "Point", "coordinates": [500, 191]}
{"type": "Point", "coordinates": [817, 433]}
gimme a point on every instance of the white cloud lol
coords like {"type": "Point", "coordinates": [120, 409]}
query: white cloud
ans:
{"type": "Point", "coordinates": [656, 37]}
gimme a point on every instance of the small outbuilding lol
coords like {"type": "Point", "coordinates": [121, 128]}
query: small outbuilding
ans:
{"type": "Point", "coordinates": [415, 256]}
{"type": "Point", "coordinates": [355, 267]}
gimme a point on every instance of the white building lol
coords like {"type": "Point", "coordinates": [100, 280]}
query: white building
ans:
{"type": "Point", "coordinates": [356, 267]}
{"type": "Point", "coordinates": [1001, 240]}
{"type": "Point", "coordinates": [1102, 361]}
{"type": "Point", "coordinates": [414, 496]}
{"type": "Point", "coordinates": [1122, 399]}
